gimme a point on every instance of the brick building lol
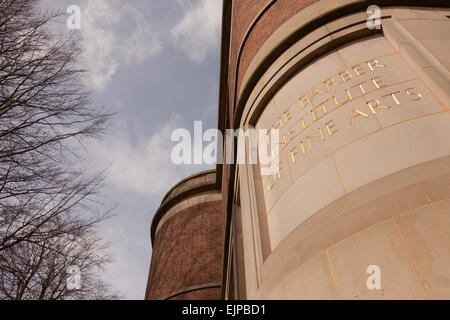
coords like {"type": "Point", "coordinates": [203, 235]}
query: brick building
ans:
{"type": "Point", "coordinates": [360, 205]}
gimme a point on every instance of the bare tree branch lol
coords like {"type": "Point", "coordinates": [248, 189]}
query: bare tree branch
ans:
{"type": "Point", "coordinates": [48, 207]}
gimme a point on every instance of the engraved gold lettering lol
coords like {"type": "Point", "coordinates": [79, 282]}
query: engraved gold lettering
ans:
{"type": "Point", "coordinates": [309, 138]}
{"type": "Point", "coordinates": [360, 86]}
{"type": "Point", "coordinates": [374, 63]}
{"type": "Point", "coordinates": [304, 100]}
{"type": "Point", "coordinates": [330, 82]}
{"type": "Point", "coordinates": [302, 120]}
{"type": "Point", "coordinates": [358, 70]}
{"type": "Point", "coordinates": [290, 132]}
{"type": "Point", "coordinates": [336, 102]}
{"type": "Point", "coordinates": [284, 141]}
{"type": "Point", "coordinates": [272, 185]}
{"type": "Point", "coordinates": [377, 105]}
{"type": "Point", "coordinates": [281, 122]}
{"type": "Point", "coordinates": [393, 97]}
{"type": "Point", "coordinates": [274, 177]}
{"type": "Point", "coordinates": [287, 115]}
{"type": "Point", "coordinates": [315, 93]}
{"type": "Point", "coordinates": [277, 124]}
{"type": "Point", "coordinates": [378, 82]}
{"type": "Point", "coordinates": [293, 154]}
{"type": "Point", "coordinates": [331, 127]}
{"type": "Point", "coordinates": [349, 98]}
{"type": "Point", "coordinates": [345, 76]}
{"type": "Point", "coordinates": [357, 113]}
{"type": "Point", "coordinates": [409, 92]}
{"type": "Point", "coordinates": [303, 147]}
{"type": "Point", "coordinates": [324, 110]}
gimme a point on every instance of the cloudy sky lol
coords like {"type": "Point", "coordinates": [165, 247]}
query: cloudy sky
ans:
{"type": "Point", "coordinates": [156, 64]}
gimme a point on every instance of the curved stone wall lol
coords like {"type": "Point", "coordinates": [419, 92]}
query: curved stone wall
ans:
{"type": "Point", "coordinates": [364, 178]}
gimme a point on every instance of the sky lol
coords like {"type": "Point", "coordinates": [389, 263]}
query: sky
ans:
{"type": "Point", "coordinates": [156, 64]}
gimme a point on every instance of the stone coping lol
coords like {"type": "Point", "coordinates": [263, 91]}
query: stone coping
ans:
{"type": "Point", "coordinates": [195, 184]}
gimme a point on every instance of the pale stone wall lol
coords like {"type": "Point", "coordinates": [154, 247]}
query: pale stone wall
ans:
{"type": "Point", "coordinates": [364, 177]}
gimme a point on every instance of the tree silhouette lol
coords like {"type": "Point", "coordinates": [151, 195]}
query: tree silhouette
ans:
{"type": "Point", "coordinates": [49, 206]}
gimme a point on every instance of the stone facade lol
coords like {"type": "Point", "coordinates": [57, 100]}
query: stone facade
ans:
{"type": "Point", "coordinates": [363, 116]}
{"type": "Point", "coordinates": [359, 207]}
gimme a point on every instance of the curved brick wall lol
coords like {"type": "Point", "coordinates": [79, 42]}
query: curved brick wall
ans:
{"type": "Point", "coordinates": [187, 255]}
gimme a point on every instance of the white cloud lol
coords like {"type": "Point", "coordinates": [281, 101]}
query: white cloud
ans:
{"type": "Point", "coordinates": [105, 47]}
{"type": "Point", "coordinates": [129, 270]}
{"type": "Point", "coordinates": [144, 167]}
{"type": "Point", "coordinates": [198, 31]}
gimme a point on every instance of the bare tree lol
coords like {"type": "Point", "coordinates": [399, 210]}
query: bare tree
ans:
{"type": "Point", "coordinates": [48, 204]}
{"type": "Point", "coordinates": [40, 271]}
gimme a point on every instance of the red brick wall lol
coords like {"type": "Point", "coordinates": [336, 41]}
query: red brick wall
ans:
{"type": "Point", "coordinates": [187, 252]}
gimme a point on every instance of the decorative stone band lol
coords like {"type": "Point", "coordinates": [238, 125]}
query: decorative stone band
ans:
{"type": "Point", "coordinates": [191, 289]}
{"type": "Point", "coordinates": [195, 185]}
